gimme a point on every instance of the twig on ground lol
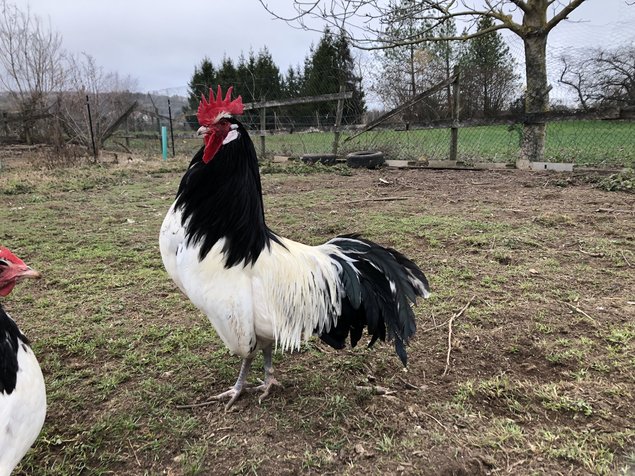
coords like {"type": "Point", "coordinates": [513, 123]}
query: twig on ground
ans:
{"type": "Point", "coordinates": [450, 322]}
{"type": "Point", "coordinates": [196, 405]}
{"type": "Point", "coordinates": [592, 253]}
{"type": "Point", "coordinates": [375, 389]}
{"type": "Point", "coordinates": [311, 413]}
{"type": "Point", "coordinates": [134, 453]}
{"type": "Point", "coordinates": [124, 147]}
{"type": "Point", "coordinates": [580, 311]}
{"type": "Point", "coordinates": [436, 326]}
{"type": "Point", "coordinates": [626, 260]}
{"type": "Point", "coordinates": [611, 210]}
{"type": "Point", "coordinates": [408, 385]}
{"type": "Point", "coordinates": [378, 199]}
{"type": "Point", "coordinates": [440, 424]}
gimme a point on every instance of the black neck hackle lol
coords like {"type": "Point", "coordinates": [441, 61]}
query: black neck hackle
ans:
{"type": "Point", "coordinates": [223, 199]}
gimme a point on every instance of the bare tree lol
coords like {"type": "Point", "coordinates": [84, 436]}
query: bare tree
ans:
{"type": "Point", "coordinates": [405, 71]}
{"type": "Point", "coordinates": [531, 20]}
{"type": "Point", "coordinates": [575, 74]}
{"type": "Point", "coordinates": [31, 62]}
{"type": "Point", "coordinates": [110, 97]}
{"type": "Point", "coordinates": [601, 78]}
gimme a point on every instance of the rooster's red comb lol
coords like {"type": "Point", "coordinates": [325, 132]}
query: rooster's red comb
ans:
{"type": "Point", "coordinates": [209, 111]}
{"type": "Point", "coordinates": [5, 254]}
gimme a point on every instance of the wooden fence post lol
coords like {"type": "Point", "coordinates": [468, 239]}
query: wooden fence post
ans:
{"type": "Point", "coordinates": [456, 106]}
{"type": "Point", "coordinates": [263, 126]}
{"type": "Point", "coordinates": [5, 123]}
{"type": "Point", "coordinates": [338, 121]}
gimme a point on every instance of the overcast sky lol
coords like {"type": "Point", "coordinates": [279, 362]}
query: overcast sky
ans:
{"type": "Point", "coordinates": [159, 42]}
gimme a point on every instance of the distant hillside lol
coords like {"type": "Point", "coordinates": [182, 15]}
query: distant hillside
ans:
{"type": "Point", "coordinates": [145, 103]}
{"type": "Point", "coordinates": [161, 103]}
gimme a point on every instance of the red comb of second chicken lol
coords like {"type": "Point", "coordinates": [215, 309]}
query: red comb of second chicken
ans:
{"type": "Point", "coordinates": [210, 111]}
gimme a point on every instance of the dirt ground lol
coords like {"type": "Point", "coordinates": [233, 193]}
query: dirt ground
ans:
{"type": "Point", "coordinates": [558, 285]}
{"type": "Point", "coordinates": [523, 361]}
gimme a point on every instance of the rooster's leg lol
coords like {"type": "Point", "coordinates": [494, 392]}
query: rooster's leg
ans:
{"type": "Point", "coordinates": [234, 392]}
{"type": "Point", "coordinates": [270, 380]}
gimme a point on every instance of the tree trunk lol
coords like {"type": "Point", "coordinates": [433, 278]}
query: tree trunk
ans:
{"type": "Point", "coordinates": [413, 80]}
{"type": "Point", "coordinates": [537, 92]}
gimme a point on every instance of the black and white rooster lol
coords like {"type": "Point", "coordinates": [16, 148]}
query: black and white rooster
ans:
{"type": "Point", "coordinates": [259, 289]}
{"type": "Point", "coordinates": [22, 392]}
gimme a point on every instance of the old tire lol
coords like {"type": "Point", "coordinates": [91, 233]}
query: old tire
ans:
{"type": "Point", "coordinates": [369, 159]}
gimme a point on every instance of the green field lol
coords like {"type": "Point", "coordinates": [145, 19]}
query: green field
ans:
{"type": "Point", "coordinates": [597, 143]}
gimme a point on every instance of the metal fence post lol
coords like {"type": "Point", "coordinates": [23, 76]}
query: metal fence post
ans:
{"type": "Point", "coordinates": [164, 142]}
{"type": "Point", "coordinates": [171, 128]}
{"type": "Point", "coordinates": [90, 124]}
{"type": "Point", "coordinates": [456, 105]}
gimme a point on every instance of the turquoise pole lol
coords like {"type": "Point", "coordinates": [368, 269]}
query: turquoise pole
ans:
{"type": "Point", "coordinates": [164, 141]}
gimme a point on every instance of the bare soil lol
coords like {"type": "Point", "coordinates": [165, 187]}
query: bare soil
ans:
{"type": "Point", "coordinates": [535, 375]}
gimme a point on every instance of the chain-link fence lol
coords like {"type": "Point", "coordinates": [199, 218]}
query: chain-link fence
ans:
{"type": "Point", "coordinates": [599, 139]}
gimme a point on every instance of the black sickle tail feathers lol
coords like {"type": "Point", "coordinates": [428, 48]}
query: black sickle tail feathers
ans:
{"type": "Point", "coordinates": [380, 284]}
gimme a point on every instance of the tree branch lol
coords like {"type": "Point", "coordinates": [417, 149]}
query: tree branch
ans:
{"type": "Point", "coordinates": [563, 14]}
{"type": "Point", "coordinates": [520, 4]}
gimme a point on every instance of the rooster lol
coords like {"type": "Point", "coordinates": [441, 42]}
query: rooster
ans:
{"type": "Point", "coordinates": [260, 290]}
{"type": "Point", "coordinates": [22, 391]}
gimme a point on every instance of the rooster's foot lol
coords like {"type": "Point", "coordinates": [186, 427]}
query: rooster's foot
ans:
{"type": "Point", "coordinates": [265, 387]}
{"type": "Point", "coordinates": [232, 395]}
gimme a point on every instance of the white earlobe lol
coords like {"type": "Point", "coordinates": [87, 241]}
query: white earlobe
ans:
{"type": "Point", "coordinates": [233, 135]}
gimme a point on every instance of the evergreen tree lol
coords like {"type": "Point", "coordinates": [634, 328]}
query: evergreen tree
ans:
{"type": "Point", "coordinates": [203, 78]}
{"type": "Point", "coordinates": [269, 85]}
{"type": "Point", "coordinates": [246, 76]}
{"type": "Point", "coordinates": [329, 66]}
{"type": "Point", "coordinates": [488, 81]}
{"type": "Point", "coordinates": [258, 77]}
{"type": "Point", "coordinates": [293, 82]}
{"type": "Point", "coordinates": [356, 106]}
{"type": "Point", "coordinates": [227, 76]}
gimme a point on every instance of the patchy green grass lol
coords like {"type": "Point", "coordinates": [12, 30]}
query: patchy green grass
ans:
{"type": "Point", "coordinates": [541, 369]}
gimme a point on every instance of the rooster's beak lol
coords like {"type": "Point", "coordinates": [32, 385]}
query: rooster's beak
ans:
{"type": "Point", "coordinates": [28, 273]}
{"type": "Point", "coordinates": [202, 131]}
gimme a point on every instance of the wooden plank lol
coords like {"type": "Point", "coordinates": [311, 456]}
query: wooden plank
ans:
{"type": "Point", "coordinates": [303, 100]}
{"type": "Point", "coordinates": [113, 127]}
{"type": "Point", "coordinates": [519, 118]}
{"type": "Point", "coordinates": [392, 113]}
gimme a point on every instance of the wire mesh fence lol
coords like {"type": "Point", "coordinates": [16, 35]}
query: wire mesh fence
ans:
{"type": "Point", "coordinates": [589, 143]}
{"type": "Point", "coordinates": [593, 142]}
